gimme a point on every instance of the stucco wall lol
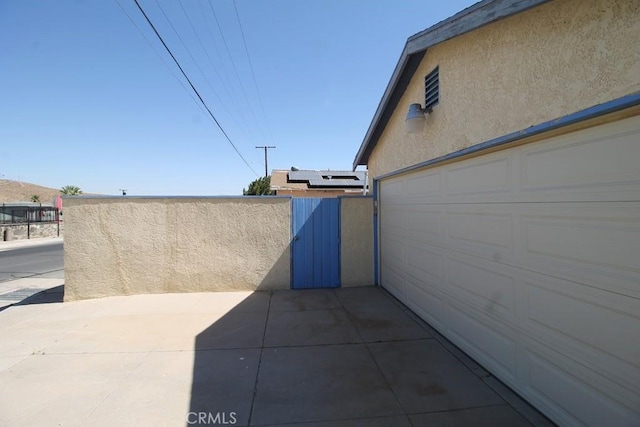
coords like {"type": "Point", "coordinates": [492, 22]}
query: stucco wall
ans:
{"type": "Point", "coordinates": [123, 246]}
{"type": "Point", "coordinates": [356, 237]}
{"type": "Point", "coordinates": [544, 63]}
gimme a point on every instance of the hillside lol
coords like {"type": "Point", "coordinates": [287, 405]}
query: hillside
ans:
{"type": "Point", "coordinates": [16, 191]}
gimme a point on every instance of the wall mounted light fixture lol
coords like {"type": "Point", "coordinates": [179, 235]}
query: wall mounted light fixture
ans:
{"type": "Point", "coordinates": [414, 122]}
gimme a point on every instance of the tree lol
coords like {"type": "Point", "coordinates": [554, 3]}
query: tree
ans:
{"type": "Point", "coordinates": [35, 198]}
{"type": "Point", "coordinates": [70, 190]}
{"type": "Point", "coordinates": [259, 187]}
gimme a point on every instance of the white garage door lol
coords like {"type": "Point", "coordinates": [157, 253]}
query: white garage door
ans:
{"type": "Point", "coordinates": [529, 260]}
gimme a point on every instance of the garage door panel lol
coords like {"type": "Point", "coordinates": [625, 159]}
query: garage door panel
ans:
{"type": "Point", "coordinates": [394, 222]}
{"type": "Point", "coordinates": [603, 253]}
{"type": "Point", "coordinates": [483, 287]}
{"type": "Point", "coordinates": [421, 265]}
{"type": "Point", "coordinates": [428, 302]}
{"type": "Point", "coordinates": [394, 283]}
{"type": "Point", "coordinates": [487, 174]}
{"type": "Point", "coordinates": [393, 251]}
{"type": "Point", "coordinates": [486, 234]}
{"type": "Point", "coordinates": [529, 258]}
{"type": "Point", "coordinates": [484, 339]}
{"type": "Point", "coordinates": [569, 162]}
{"type": "Point", "coordinates": [425, 262]}
{"type": "Point", "coordinates": [598, 330]}
{"type": "Point", "coordinates": [426, 223]}
{"type": "Point", "coordinates": [573, 393]}
{"type": "Point", "coordinates": [425, 188]}
{"type": "Point", "coordinates": [564, 168]}
{"type": "Point", "coordinates": [601, 243]}
{"type": "Point", "coordinates": [395, 192]}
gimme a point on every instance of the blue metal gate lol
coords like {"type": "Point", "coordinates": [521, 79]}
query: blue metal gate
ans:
{"type": "Point", "coordinates": [316, 243]}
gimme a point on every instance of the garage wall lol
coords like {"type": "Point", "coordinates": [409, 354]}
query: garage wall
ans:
{"type": "Point", "coordinates": [558, 58]}
{"type": "Point", "coordinates": [529, 259]}
{"type": "Point", "coordinates": [123, 246]}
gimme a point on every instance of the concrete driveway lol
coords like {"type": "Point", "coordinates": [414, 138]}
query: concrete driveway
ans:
{"type": "Point", "coordinates": [344, 357]}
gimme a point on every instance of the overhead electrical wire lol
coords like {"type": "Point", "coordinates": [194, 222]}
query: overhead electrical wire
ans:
{"type": "Point", "coordinates": [184, 45]}
{"type": "Point", "coordinates": [215, 70]}
{"type": "Point", "coordinates": [159, 55]}
{"type": "Point", "coordinates": [193, 87]}
{"type": "Point", "coordinates": [233, 64]}
{"type": "Point", "coordinates": [226, 82]}
{"type": "Point", "coordinates": [253, 74]}
{"type": "Point", "coordinates": [217, 51]}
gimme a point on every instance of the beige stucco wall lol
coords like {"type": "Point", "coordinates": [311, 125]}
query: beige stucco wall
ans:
{"type": "Point", "coordinates": [123, 246]}
{"type": "Point", "coordinates": [356, 237]}
{"type": "Point", "coordinates": [542, 64]}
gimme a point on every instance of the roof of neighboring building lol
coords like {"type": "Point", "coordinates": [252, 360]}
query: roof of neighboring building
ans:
{"type": "Point", "coordinates": [328, 179]}
{"type": "Point", "coordinates": [469, 19]}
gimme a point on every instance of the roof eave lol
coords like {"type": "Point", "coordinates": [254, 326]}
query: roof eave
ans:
{"type": "Point", "coordinates": [376, 117]}
{"type": "Point", "coordinates": [469, 19]}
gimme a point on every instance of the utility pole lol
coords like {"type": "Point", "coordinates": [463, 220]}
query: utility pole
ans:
{"type": "Point", "coordinates": [266, 168]}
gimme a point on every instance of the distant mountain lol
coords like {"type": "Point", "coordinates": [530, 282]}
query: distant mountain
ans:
{"type": "Point", "coordinates": [16, 191]}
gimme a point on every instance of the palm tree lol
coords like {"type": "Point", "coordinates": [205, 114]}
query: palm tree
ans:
{"type": "Point", "coordinates": [70, 190]}
{"type": "Point", "coordinates": [35, 198]}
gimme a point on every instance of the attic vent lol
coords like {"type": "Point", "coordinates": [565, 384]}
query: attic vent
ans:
{"type": "Point", "coordinates": [431, 89]}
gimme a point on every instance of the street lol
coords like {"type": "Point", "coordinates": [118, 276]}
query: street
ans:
{"type": "Point", "coordinates": [43, 261]}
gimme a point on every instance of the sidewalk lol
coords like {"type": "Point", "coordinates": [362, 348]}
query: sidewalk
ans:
{"type": "Point", "coordinates": [23, 243]}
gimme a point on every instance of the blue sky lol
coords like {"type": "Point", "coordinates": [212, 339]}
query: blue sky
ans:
{"type": "Point", "coordinates": [87, 101]}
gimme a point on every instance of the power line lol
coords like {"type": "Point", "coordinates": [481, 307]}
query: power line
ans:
{"type": "Point", "coordinates": [233, 64]}
{"type": "Point", "coordinates": [191, 55]}
{"type": "Point", "coordinates": [253, 74]}
{"type": "Point", "coordinates": [158, 54]}
{"type": "Point", "coordinates": [193, 87]}
{"type": "Point", "coordinates": [215, 70]}
{"type": "Point", "coordinates": [228, 82]}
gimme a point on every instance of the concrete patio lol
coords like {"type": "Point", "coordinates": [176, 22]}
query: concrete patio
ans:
{"type": "Point", "coordinates": [344, 357]}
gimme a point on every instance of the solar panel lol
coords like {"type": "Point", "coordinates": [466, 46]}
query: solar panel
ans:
{"type": "Point", "coordinates": [325, 178]}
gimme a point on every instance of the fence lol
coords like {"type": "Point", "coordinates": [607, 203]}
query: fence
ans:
{"type": "Point", "coordinates": [20, 214]}
{"type": "Point", "coordinates": [24, 221]}
{"type": "Point", "coordinates": [137, 245]}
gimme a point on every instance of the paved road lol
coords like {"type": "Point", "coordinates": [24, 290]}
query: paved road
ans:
{"type": "Point", "coordinates": [43, 261]}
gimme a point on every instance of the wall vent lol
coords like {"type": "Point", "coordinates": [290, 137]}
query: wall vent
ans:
{"type": "Point", "coordinates": [432, 89]}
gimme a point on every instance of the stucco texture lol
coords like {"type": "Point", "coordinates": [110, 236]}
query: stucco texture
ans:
{"type": "Point", "coordinates": [356, 238]}
{"type": "Point", "coordinates": [539, 65]}
{"type": "Point", "coordinates": [124, 246]}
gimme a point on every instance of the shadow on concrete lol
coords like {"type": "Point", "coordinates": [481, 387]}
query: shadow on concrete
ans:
{"type": "Point", "coordinates": [347, 357]}
{"type": "Point", "coordinates": [225, 365]}
{"type": "Point", "coordinates": [46, 296]}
